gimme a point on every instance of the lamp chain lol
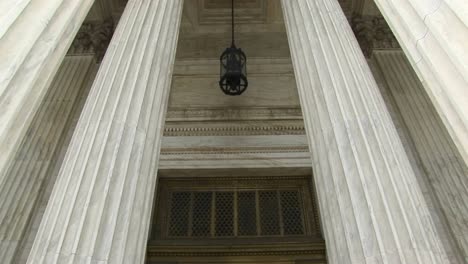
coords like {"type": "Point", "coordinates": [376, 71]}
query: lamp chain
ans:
{"type": "Point", "coordinates": [232, 20]}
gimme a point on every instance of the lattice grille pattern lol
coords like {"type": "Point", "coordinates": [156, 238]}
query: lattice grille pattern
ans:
{"type": "Point", "coordinates": [224, 214]}
{"type": "Point", "coordinates": [245, 213]}
{"type": "Point", "coordinates": [269, 215]}
{"type": "Point", "coordinates": [201, 214]}
{"type": "Point", "coordinates": [179, 225]}
{"type": "Point", "coordinates": [292, 215]}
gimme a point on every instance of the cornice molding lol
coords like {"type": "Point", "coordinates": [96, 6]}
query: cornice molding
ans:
{"type": "Point", "coordinates": [234, 121]}
{"type": "Point", "coordinates": [165, 252]}
{"type": "Point", "coordinates": [240, 129]}
{"type": "Point", "coordinates": [230, 114]}
{"type": "Point", "coordinates": [294, 248]}
{"type": "Point", "coordinates": [232, 150]}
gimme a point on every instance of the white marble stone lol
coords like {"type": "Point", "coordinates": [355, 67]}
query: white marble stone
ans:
{"type": "Point", "coordinates": [434, 35]}
{"type": "Point", "coordinates": [100, 207]}
{"type": "Point", "coordinates": [371, 205]}
{"type": "Point", "coordinates": [32, 166]}
{"type": "Point", "coordinates": [248, 151]}
{"type": "Point", "coordinates": [441, 162]}
{"type": "Point", "coordinates": [56, 162]}
{"type": "Point", "coordinates": [435, 209]}
{"type": "Point", "coordinates": [34, 37]}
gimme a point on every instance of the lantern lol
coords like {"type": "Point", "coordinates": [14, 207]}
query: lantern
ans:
{"type": "Point", "coordinates": [233, 79]}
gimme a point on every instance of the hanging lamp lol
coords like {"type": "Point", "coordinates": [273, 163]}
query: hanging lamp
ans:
{"type": "Point", "coordinates": [233, 80]}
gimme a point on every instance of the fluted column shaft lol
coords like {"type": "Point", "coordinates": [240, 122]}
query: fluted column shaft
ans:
{"type": "Point", "coordinates": [34, 37]}
{"type": "Point", "coordinates": [442, 164]}
{"type": "Point", "coordinates": [100, 208]}
{"type": "Point", "coordinates": [31, 167]}
{"type": "Point", "coordinates": [434, 35]}
{"type": "Point", "coordinates": [371, 205]}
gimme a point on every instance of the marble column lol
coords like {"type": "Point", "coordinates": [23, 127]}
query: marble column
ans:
{"type": "Point", "coordinates": [32, 167]}
{"type": "Point", "coordinates": [371, 205]}
{"type": "Point", "coordinates": [445, 169]}
{"type": "Point", "coordinates": [434, 35]}
{"type": "Point", "coordinates": [34, 37]}
{"type": "Point", "coordinates": [100, 207]}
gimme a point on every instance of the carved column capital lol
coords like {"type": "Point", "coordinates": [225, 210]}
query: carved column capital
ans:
{"type": "Point", "coordinates": [373, 32]}
{"type": "Point", "coordinates": [93, 38]}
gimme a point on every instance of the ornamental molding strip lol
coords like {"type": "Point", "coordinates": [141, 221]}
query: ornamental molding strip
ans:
{"type": "Point", "coordinates": [230, 129]}
{"type": "Point", "coordinates": [230, 114]}
{"type": "Point", "coordinates": [234, 121]}
{"type": "Point", "coordinates": [373, 32]}
{"type": "Point", "coordinates": [235, 131]}
{"type": "Point", "coordinates": [93, 38]}
{"type": "Point", "coordinates": [286, 156]}
{"type": "Point", "coordinates": [233, 150]}
{"type": "Point", "coordinates": [273, 250]}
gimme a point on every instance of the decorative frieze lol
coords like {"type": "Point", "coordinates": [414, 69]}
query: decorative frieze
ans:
{"type": "Point", "coordinates": [93, 38]}
{"type": "Point", "coordinates": [234, 121]}
{"type": "Point", "coordinates": [230, 114]}
{"type": "Point", "coordinates": [373, 32]}
{"type": "Point", "coordinates": [225, 129]}
{"type": "Point", "coordinates": [234, 150]}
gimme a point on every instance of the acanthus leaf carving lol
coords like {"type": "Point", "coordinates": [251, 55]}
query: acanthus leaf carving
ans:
{"type": "Point", "coordinates": [373, 32]}
{"type": "Point", "coordinates": [93, 38]}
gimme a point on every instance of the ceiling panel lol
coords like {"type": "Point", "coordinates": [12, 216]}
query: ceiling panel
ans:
{"type": "Point", "coordinates": [219, 11]}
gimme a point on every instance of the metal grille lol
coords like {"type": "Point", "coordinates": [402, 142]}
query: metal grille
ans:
{"type": "Point", "coordinates": [243, 213]}
{"type": "Point", "coordinates": [246, 214]}
{"type": "Point", "coordinates": [179, 225]}
{"type": "Point", "coordinates": [291, 212]}
{"type": "Point", "coordinates": [224, 214]}
{"type": "Point", "coordinates": [201, 214]}
{"type": "Point", "coordinates": [269, 213]}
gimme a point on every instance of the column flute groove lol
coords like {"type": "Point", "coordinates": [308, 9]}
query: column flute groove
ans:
{"type": "Point", "coordinates": [442, 164]}
{"type": "Point", "coordinates": [31, 144]}
{"type": "Point", "coordinates": [99, 210]}
{"type": "Point", "coordinates": [34, 38]}
{"type": "Point", "coordinates": [372, 207]}
{"type": "Point", "coordinates": [30, 169]}
{"type": "Point", "coordinates": [434, 34]}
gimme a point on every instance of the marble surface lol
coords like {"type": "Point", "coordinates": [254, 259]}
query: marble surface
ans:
{"type": "Point", "coordinates": [371, 204]}
{"type": "Point", "coordinates": [218, 152]}
{"type": "Point", "coordinates": [442, 165]}
{"type": "Point", "coordinates": [34, 37]}
{"type": "Point", "coordinates": [434, 35]}
{"type": "Point", "coordinates": [91, 219]}
{"type": "Point", "coordinates": [32, 168]}
{"type": "Point", "coordinates": [100, 207]}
